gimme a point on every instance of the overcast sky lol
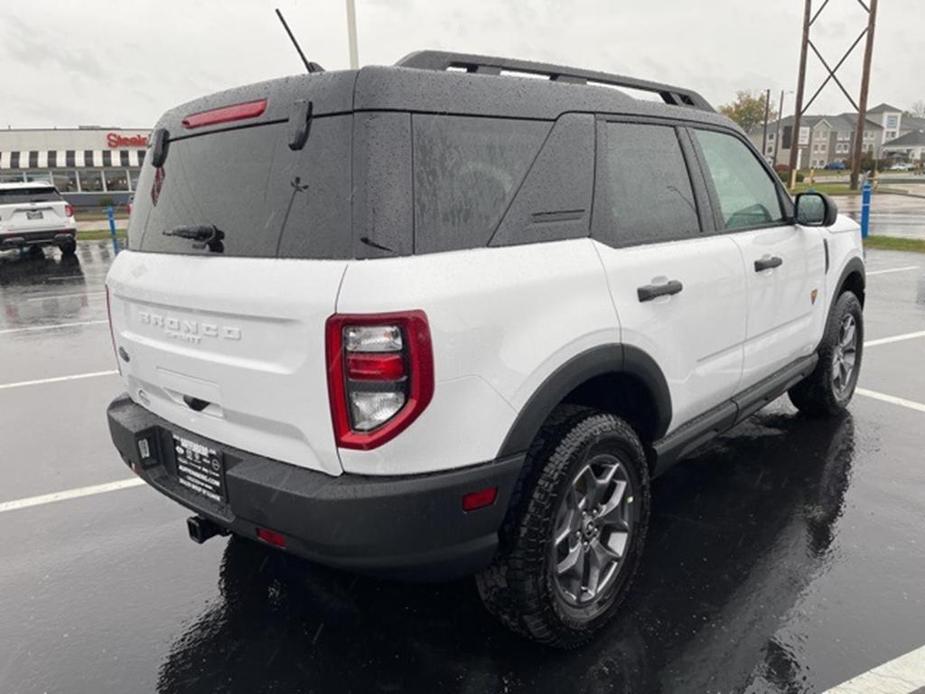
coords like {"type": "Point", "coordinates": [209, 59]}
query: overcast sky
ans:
{"type": "Point", "coordinates": [64, 63]}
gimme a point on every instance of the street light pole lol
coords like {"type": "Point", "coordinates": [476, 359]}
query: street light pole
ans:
{"type": "Point", "coordinates": [764, 136]}
{"type": "Point", "coordinates": [780, 117]}
{"type": "Point", "coordinates": [801, 83]}
{"type": "Point", "coordinates": [352, 34]}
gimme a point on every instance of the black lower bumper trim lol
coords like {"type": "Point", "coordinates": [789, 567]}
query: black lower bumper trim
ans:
{"type": "Point", "coordinates": [409, 526]}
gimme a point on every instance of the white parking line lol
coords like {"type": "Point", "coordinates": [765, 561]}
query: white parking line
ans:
{"type": "Point", "coordinates": [28, 502]}
{"type": "Point", "coordinates": [894, 338]}
{"type": "Point", "coordinates": [892, 399]}
{"type": "Point", "coordinates": [9, 331]}
{"type": "Point", "coordinates": [65, 296]}
{"type": "Point", "coordinates": [893, 269]}
{"type": "Point", "coordinates": [56, 379]}
{"type": "Point", "coordinates": [902, 675]}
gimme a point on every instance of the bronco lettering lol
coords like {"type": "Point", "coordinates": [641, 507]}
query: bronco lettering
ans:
{"type": "Point", "coordinates": [189, 330]}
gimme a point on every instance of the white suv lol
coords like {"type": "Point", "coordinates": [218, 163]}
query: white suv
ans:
{"type": "Point", "coordinates": [438, 319]}
{"type": "Point", "coordinates": [33, 215]}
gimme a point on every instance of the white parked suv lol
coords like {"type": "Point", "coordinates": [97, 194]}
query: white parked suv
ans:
{"type": "Point", "coordinates": [33, 215]}
{"type": "Point", "coordinates": [437, 319]}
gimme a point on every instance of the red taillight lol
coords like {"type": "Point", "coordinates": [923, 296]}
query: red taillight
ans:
{"type": "Point", "coordinates": [271, 537]}
{"type": "Point", "coordinates": [68, 211]}
{"type": "Point", "coordinates": [225, 114]}
{"type": "Point", "coordinates": [112, 334]}
{"type": "Point", "coordinates": [380, 375]}
{"type": "Point", "coordinates": [480, 499]}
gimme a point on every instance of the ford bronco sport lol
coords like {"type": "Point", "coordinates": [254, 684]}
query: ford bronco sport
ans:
{"type": "Point", "coordinates": [439, 319]}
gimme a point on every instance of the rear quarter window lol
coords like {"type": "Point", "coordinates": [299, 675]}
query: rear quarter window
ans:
{"type": "Point", "coordinates": [466, 172]}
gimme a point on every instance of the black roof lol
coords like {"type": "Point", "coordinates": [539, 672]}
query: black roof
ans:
{"type": "Point", "coordinates": [915, 138]}
{"type": "Point", "coordinates": [463, 84]}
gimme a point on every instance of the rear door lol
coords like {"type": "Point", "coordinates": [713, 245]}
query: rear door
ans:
{"type": "Point", "coordinates": [238, 242]}
{"type": "Point", "coordinates": [679, 292]}
{"type": "Point", "coordinates": [784, 263]}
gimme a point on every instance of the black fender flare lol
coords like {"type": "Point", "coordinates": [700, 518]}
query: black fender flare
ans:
{"type": "Point", "coordinates": [855, 264]}
{"type": "Point", "coordinates": [597, 361]}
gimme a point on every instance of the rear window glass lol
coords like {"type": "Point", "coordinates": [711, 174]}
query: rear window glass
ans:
{"type": "Point", "coordinates": [466, 172]}
{"type": "Point", "coordinates": [37, 194]}
{"type": "Point", "coordinates": [644, 191]}
{"type": "Point", "coordinates": [266, 199]}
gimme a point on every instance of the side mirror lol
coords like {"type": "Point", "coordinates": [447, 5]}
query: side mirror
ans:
{"type": "Point", "coordinates": [815, 210]}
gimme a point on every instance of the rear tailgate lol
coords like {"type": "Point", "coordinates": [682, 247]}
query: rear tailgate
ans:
{"type": "Point", "coordinates": [32, 209]}
{"type": "Point", "coordinates": [245, 336]}
{"type": "Point", "coordinates": [227, 339]}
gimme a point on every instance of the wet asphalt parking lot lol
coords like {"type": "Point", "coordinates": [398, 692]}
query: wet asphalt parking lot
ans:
{"type": "Point", "coordinates": [787, 556]}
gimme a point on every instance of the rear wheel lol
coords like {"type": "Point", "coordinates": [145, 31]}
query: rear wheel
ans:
{"type": "Point", "coordinates": [68, 247]}
{"type": "Point", "coordinates": [571, 549]}
{"type": "Point", "coordinates": [829, 388]}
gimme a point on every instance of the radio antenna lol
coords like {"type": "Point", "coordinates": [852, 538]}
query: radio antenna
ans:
{"type": "Point", "coordinates": [309, 66]}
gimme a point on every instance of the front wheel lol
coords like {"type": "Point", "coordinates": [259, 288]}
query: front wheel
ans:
{"type": "Point", "coordinates": [829, 388]}
{"type": "Point", "coordinates": [570, 550]}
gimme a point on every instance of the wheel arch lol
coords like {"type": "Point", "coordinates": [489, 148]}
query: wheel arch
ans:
{"type": "Point", "coordinates": [853, 278]}
{"type": "Point", "coordinates": [622, 379]}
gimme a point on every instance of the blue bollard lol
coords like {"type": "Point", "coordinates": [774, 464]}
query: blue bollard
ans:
{"type": "Point", "coordinates": [112, 229]}
{"type": "Point", "coordinates": [866, 192]}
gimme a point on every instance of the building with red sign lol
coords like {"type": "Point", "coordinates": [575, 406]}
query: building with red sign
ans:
{"type": "Point", "coordinates": [90, 165]}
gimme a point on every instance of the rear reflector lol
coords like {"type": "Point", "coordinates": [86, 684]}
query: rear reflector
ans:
{"type": "Point", "coordinates": [375, 367]}
{"type": "Point", "coordinates": [226, 114]}
{"type": "Point", "coordinates": [271, 537]}
{"type": "Point", "coordinates": [480, 499]}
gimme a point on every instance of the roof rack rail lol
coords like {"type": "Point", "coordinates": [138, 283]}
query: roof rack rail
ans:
{"type": "Point", "coordinates": [488, 65]}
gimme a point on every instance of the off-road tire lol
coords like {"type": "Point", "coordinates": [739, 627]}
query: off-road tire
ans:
{"type": "Point", "coordinates": [816, 395]}
{"type": "Point", "coordinates": [518, 587]}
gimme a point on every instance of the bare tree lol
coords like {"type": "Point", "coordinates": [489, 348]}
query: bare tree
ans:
{"type": "Point", "coordinates": [918, 109]}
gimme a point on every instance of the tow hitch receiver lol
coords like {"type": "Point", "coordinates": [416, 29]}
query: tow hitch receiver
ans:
{"type": "Point", "coordinates": [201, 529]}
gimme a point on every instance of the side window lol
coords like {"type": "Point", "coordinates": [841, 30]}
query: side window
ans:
{"type": "Point", "coordinates": [746, 193]}
{"type": "Point", "coordinates": [466, 172]}
{"type": "Point", "coordinates": [643, 192]}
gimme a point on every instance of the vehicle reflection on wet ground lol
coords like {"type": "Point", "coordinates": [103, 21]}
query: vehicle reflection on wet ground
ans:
{"type": "Point", "coordinates": [738, 534]}
{"type": "Point", "coordinates": [786, 556]}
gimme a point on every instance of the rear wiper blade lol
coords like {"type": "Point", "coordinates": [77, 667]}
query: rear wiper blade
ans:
{"type": "Point", "coordinates": [203, 235]}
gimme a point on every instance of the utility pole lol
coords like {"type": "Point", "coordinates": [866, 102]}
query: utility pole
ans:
{"type": "Point", "coordinates": [801, 84]}
{"type": "Point", "coordinates": [809, 19]}
{"type": "Point", "coordinates": [352, 34]}
{"type": "Point", "coordinates": [764, 137]}
{"type": "Point", "coordinates": [862, 102]}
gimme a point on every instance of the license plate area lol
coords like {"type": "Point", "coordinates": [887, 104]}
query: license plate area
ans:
{"type": "Point", "coordinates": [34, 214]}
{"type": "Point", "coordinates": [199, 468]}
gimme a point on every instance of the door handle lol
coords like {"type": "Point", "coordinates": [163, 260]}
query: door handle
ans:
{"type": "Point", "coordinates": [768, 263]}
{"type": "Point", "coordinates": [653, 291]}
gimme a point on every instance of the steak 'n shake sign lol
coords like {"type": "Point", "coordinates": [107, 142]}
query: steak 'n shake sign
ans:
{"type": "Point", "coordinates": [117, 141]}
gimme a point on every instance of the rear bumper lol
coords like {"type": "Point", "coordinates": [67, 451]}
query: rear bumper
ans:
{"type": "Point", "coordinates": [15, 239]}
{"type": "Point", "coordinates": [410, 527]}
